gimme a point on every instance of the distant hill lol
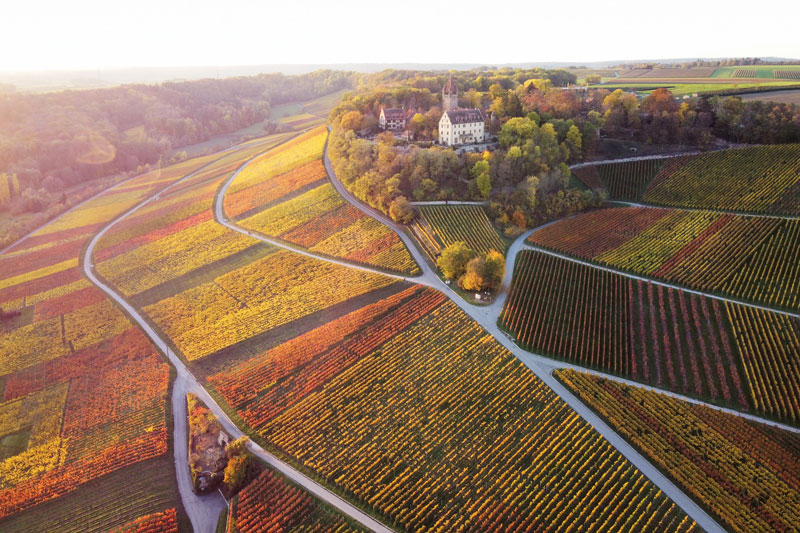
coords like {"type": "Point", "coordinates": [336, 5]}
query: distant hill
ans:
{"type": "Point", "coordinates": [92, 79]}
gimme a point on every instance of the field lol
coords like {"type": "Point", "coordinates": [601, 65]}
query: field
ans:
{"type": "Point", "coordinates": [724, 353]}
{"type": "Point", "coordinates": [623, 181]}
{"type": "Point", "coordinates": [751, 258]}
{"type": "Point", "coordinates": [306, 115]}
{"type": "Point", "coordinates": [203, 285]}
{"type": "Point", "coordinates": [755, 71]}
{"type": "Point", "coordinates": [788, 74]}
{"type": "Point", "coordinates": [284, 110]}
{"type": "Point", "coordinates": [695, 72]}
{"type": "Point", "coordinates": [442, 225]}
{"type": "Point", "coordinates": [761, 179]}
{"type": "Point", "coordinates": [745, 473]}
{"type": "Point", "coordinates": [408, 406]}
{"type": "Point", "coordinates": [323, 105]}
{"type": "Point", "coordinates": [684, 87]}
{"type": "Point", "coordinates": [791, 96]}
{"type": "Point", "coordinates": [82, 413]}
{"type": "Point", "coordinates": [273, 503]}
{"type": "Point", "coordinates": [286, 194]}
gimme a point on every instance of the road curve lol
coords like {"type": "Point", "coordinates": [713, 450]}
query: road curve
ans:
{"type": "Point", "coordinates": [221, 218]}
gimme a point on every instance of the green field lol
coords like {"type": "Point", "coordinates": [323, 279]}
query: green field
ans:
{"type": "Point", "coordinates": [684, 89]}
{"type": "Point", "coordinates": [324, 104]}
{"type": "Point", "coordinates": [762, 71]}
{"type": "Point", "coordinates": [284, 110]}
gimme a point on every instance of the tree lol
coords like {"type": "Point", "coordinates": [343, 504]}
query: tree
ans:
{"type": "Point", "coordinates": [494, 269]}
{"type": "Point", "coordinates": [417, 124]}
{"type": "Point", "coordinates": [473, 278]}
{"type": "Point", "coordinates": [481, 173]}
{"type": "Point", "coordinates": [592, 79]}
{"type": "Point", "coordinates": [539, 84]}
{"type": "Point", "coordinates": [453, 260]}
{"type": "Point", "coordinates": [516, 131]}
{"type": "Point", "coordinates": [574, 141]}
{"type": "Point", "coordinates": [235, 473]}
{"type": "Point", "coordinates": [352, 120]}
{"type": "Point", "coordinates": [562, 78]}
{"type": "Point", "coordinates": [237, 447]}
{"type": "Point", "coordinates": [531, 187]}
{"type": "Point", "coordinates": [621, 110]}
{"type": "Point", "coordinates": [401, 210]}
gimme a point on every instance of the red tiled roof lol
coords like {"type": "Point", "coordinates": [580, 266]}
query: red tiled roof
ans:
{"type": "Point", "coordinates": [394, 113]}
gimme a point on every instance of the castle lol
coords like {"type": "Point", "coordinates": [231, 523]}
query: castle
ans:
{"type": "Point", "coordinates": [459, 126]}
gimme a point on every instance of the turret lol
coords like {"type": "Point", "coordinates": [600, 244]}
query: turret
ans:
{"type": "Point", "coordinates": [449, 95]}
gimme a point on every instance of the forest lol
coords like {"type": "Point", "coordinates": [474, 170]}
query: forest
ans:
{"type": "Point", "coordinates": [542, 126]}
{"type": "Point", "coordinates": [59, 148]}
{"type": "Point", "coordinates": [54, 142]}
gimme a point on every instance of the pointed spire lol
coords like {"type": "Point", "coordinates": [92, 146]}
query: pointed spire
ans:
{"type": "Point", "coordinates": [450, 87]}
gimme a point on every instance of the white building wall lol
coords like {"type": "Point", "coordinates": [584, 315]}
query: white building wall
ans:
{"type": "Point", "coordinates": [451, 134]}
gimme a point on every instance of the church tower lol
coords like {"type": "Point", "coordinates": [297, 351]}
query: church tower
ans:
{"type": "Point", "coordinates": [449, 95]}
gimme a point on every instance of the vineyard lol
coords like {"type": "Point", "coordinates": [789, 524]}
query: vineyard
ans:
{"type": "Point", "coordinates": [627, 180]}
{"type": "Point", "coordinates": [691, 344]}
{"type": "Point", "coordinates": [410, 407]}
{"type": "Point", "coordinates": [744, 73]}
{"type": "Point", "coordinates": [243, 303]}
{"type": "Point", "coordinates": [787, 74]}
{"type": "Point", "coordinates": [453, 223]}
{"type": "Point", "coordinates": [82, 411]}
{"type": "Point", "coordinates": [744, 472]}
{"type": "Point", "coordinates": [760, 179]}
{"type": "Point", "coordinates": [273, 503]}
{"type": "Point", "coordinates": [294, 201]}
{"type": "Point", "coordinates": [752, 258]}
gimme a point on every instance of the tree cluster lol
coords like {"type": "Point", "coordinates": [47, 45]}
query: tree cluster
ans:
{"type": "Point", "coordinates": [472, 271]}
{"type": "Point", "coordinates": [70, 137]}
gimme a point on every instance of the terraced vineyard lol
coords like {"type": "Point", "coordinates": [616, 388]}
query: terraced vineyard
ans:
{"type": "Point", "coordinates": [272, 503]}
{"type": "Point", "coordinates": [744, 472]}
{"type": "Point", "coordinates": [752, 258]}
{"type": "Point", "coordinates": [760, 179]}
{"type": "Point", "coordinates": [82, 413]}
{"type": "Point", "coordinates": [397, 403]}
{"type": "Point", "coordinates": [286, 194]}
{"type": "Point", "coordinates": [467, 223]}
{"type": "Point", "coordinates": [660, 336]}
{"type": "Point", "coordinates": [624, 181]}
{"type": "Point", "coordinates": [203, 285]}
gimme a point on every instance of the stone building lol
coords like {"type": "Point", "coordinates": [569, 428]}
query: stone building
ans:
{"type": "Point", "coordinates": [459, 126]}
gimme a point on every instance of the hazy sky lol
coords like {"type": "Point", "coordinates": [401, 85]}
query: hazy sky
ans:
{"type": "Point", "coordinates": [77, 34]}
